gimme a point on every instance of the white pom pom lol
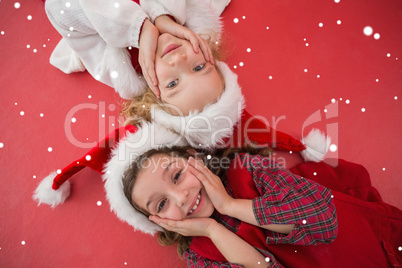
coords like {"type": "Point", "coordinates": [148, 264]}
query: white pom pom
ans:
{"type": "Point", "coordinates": [317, 145]}
{"type": "Point", "coordinates": [45, 194]}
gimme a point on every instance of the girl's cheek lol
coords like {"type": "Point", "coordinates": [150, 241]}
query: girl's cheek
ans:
{"type": "Point", "coordinates": [173, 214]}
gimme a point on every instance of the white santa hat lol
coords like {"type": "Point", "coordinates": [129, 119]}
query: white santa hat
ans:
{"type": "Point", "coordinates": [114, 155]}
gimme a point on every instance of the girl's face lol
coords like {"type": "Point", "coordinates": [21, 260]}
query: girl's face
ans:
{"type": "Point", "coordinates": [166, 187]}
{"type": "Point", "coordinates": [186, 81]}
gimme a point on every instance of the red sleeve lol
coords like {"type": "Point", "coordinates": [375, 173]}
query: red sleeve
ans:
{"type": "Point", "coordinates": [290, 199]}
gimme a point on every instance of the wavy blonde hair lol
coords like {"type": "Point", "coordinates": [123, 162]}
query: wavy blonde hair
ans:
{"type": "Point", "coordinates": [139, 108]}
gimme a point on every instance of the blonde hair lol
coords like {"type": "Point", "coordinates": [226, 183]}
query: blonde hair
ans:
{"type": "Point", "coordinates": [139, 108]}
{"type": "Point", "coordinates": [167, 238]}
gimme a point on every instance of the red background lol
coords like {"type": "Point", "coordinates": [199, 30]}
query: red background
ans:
{"type": "Point", "coordinates": [80, 232]}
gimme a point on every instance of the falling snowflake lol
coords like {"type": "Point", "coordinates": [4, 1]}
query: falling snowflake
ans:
{"type": "Point", "coordinates": [1, 145]}
{"type": "Point", "coordinates": [99, 203]}
{"type": "Point", "coordinates": [333, 100]}
{"type": "Point", "coordinates": [58, 171]}
{"type": "Point", "coordinates": [248, 49]}
{"type": "Point", "coordinates": [236, 20]}
{"type": "Point", "coordinates": [315, 173]}
{"type": "Point", "coordinates": [270, 77]}
{"type": "Point", "coordinates": [363, 110]}
{"type": "Point", "coordinates": [241, 64]}
{"type": "Point", "coordinates": [73, 120]}
{"type": "Point", "coordinates": [22, 113]}
{"type": "Point", "coordinates": [338, 22]}
{"type": "Point", "coordinates": [114, 74]}
{"type": "Point", "coordinates": [305, 70]}
{"type": "Point", "coordinates": [333, 148]}
{"type": "Point", "coordinates": [347, 101]}
{"type": "Point", "coordinates": [88, 157]}
{"type": "Point", "coordinates": [50, 149]}
{"type": "Point", "coordinates": [376, 36]}
{"type": "Point", "coordinates": [29, 17]}
{"type": "Point", "coordinates": [320, 24]}
{"type": "Point", "coordinates": [383, 168]}
{"type": "Point", "coordinates": [22, 242]}
{"type": "Point", "coordinates": [17, 5]}
{"type": "Point", "coordinates": [368, 30]}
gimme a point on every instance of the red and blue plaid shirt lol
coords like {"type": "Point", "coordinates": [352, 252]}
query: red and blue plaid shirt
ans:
{"type": "Point", "coordinates": [285, 198]}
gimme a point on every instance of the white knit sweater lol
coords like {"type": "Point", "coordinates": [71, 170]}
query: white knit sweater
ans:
{"type": "Point", "coordinates": [96, 34]}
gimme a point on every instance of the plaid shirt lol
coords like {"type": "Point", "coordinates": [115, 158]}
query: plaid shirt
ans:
{"type": "Point", "coordinates": [285, 198]}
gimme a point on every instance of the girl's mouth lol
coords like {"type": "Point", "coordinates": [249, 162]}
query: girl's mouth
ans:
{"type": "Point", "coordinates": [197, 202]}
{"type": "Point", "coordinates": [170, 48]}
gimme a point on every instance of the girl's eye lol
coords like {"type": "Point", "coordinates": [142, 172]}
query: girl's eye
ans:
{"type": "Point", "coordinates": [173, 83]}
{"type": "Point", "coordinates": [177, 176]}
{"type": "Point", "coordinates": [199, 67]}
{"type": "Point", "coordinates": [161, 205]}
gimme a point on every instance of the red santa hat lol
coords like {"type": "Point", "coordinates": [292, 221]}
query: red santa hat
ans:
{"type": "Point", "coordinates": [206, 129]}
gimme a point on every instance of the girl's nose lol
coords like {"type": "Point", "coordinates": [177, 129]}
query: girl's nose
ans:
{"type": "Point", "coordinates": [177, 58]}
{"type": "Point", "coordinates": [182, 197]}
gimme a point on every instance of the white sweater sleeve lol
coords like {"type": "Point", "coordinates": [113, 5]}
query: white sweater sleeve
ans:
{"type": "Point", "coordinates": [117, 22]}
{"type": "Point", "coordinates": [175, 8]}
{"type": "Point", "coordinates": [99, 39]}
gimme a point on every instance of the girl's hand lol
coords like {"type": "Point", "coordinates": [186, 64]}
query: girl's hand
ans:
{"type": "Point", "coordinates": [213, 185]}
{"type": "Point", "coordinates": [146, 56]}
{"type": "Point", "coordinates": [187, 227]}
{"type": "Point", "coordinates": [167, 25]}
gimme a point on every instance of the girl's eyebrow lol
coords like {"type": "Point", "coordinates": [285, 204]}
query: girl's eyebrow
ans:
{"type": "Point", "coordinates": [163, 175]}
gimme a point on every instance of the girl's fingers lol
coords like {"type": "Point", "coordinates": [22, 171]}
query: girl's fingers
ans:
{"type": "Point", "coordinates": [195, 42]}
{"type": "Point", "coordinates": [152, 81]}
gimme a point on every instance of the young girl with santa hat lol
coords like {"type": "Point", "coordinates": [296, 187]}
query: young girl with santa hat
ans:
{"type": "Point", "coordinates": [184, 197]}
{"type": "Point", "coordinates": [242, 209]}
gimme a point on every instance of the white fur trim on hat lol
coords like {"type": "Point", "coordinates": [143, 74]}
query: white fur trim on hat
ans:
{"type": "Point", "coordinates": [208, 128]}
{"type": "Point", "coordinates": [317, 144]}
{"type": "Point", "coordinates": [148, 136]}
{"type": "Point", "coordinates": [45, 194]}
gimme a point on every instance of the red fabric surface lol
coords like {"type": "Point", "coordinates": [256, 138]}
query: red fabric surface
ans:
{"type": "Point", "coordinates": [80, 233]}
